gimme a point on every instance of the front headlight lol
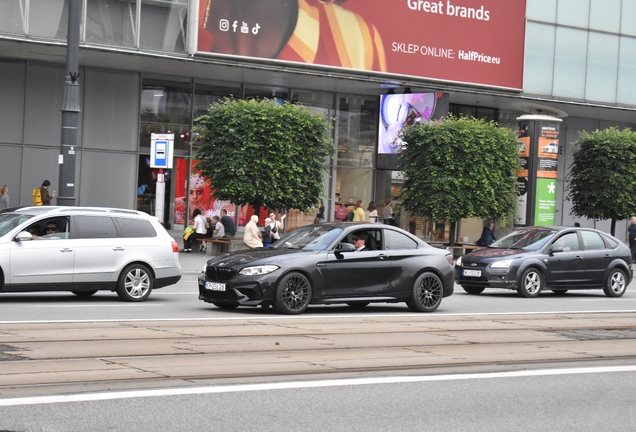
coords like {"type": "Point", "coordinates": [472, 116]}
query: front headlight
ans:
{"type": "Point", "coordinates": [458, 262]}
{"type": "Point", "coordinates": [258, 270]}
{"type": "Point", "coordinates": [501, 264]}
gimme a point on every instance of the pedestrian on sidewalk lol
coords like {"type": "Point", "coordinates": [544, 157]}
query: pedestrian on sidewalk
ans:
{"type": "Point", "coordinates": [4, 197]}
{"type": "Point", "coordinates": [200, 230]}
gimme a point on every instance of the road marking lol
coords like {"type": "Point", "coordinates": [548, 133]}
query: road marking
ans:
{"type": "Point", "coordinates": [39, 400]}
{"type": "Point", "coordinates": [356, 317]}
{"type": "Point", "coordinates": [91, 305]}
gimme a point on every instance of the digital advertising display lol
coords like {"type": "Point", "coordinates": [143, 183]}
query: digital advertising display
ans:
{"type": "Point", "coordinates": [466, 41]}
{"type": "Point", "coordinates": [400, 110]}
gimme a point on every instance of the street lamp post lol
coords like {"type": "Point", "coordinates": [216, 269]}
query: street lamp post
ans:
{"type": "Point", "coordinates": [70, 108]}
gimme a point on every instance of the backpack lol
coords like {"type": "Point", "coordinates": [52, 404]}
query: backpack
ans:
{"type": "Point", "coordinates": [349, 216]}
{"type": "Point", "coordinates": [37, 196]}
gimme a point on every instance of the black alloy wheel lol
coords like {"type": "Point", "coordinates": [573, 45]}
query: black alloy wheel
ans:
{"type": "Point", "coordinates": [427, 293]}
{"type": "Point", "coordinates": [293, 294]}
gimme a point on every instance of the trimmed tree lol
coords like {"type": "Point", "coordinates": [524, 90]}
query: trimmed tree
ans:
{"type": "Point", "coordinates": [459, 168]}
{"type": "Point", "coordinates": [602, 178]}
{"type": "Point", "coordinates": [260, 153]}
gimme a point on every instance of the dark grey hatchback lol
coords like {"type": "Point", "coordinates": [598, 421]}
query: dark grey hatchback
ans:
{"type": "Point", "coordinates": [559, 258]}
{"type": "Point", "coordinates": [319, 264]}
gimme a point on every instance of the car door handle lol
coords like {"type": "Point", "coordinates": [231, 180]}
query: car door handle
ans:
{"type": "Point", "coordinates": [66, 250]}
{"type": "Point", "coordinates": [383, 256]}
{"type": "Point", "coordinates": [119, 249]}
{"type": "Point", "coordinates": [578, 257]}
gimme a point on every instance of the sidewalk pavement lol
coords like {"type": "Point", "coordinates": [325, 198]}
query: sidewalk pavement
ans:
{"type": "Point", "coordinates": [191, 263]}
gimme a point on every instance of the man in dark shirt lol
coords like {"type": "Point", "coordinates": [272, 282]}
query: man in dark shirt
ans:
{"type": "Point", "coordinates": [228, 224]}
{"type": "Point", "coordinates": [631, 234]}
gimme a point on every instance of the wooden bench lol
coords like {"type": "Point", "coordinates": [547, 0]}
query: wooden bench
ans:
{"type": "Point", "coordinates": [217, 246]}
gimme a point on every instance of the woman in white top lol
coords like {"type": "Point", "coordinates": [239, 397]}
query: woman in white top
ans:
{"type": "Point", "coordinates": [200, 230]}
{"type": "Point", "coordinates": [372, 212]}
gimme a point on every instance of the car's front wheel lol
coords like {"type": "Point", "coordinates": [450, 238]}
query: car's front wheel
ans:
{"type": "Point", "coordinates": [616, 284]}
{"type": "Point", "coordinates": [473, 289]}
{"type": "Point", "coordinates": [135, 283]}
{"type": "Point", "coordinates": [427, 293]}
{"type": "Point", "coordinates": [531, 283]}
{"type": "Point", "coordinates": [293, 294]}
{"type": "Point", "coordinates": [84, 294]}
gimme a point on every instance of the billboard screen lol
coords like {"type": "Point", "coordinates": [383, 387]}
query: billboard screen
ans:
{"type": "Point", "coordinates": [400, 110]}
{"type": "Point", "coordinates": [468, 41]}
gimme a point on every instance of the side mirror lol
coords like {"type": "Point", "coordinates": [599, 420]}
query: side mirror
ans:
{"type": "Point", "coordinates": [556, 249]}
{"type": "Point", "coordinates": [344, 247]}
{"type": "Point", "coordinates": [23, 236]}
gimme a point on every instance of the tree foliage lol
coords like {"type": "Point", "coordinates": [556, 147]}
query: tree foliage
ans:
{"type": "Point", "coordinates": [260, 153]}
{"type": "Point", "coordinates": [602, 178]}
{"type": "Point", "coordinates": [459, 168]}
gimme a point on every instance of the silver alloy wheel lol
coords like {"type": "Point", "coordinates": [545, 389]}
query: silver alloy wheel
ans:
{"type": "Point", "coordinates": [531, 283]}
{"type": "Point", "coordinates": [616, 284]}
{"type": "Point", "coordinates": [135, 283]}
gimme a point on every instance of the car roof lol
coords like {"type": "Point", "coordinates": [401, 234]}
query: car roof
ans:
{"type": "Point", "coordinates": [69, 210]}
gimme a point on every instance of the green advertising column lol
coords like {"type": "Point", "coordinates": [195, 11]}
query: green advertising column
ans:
{"type": "Point", "coordinates": [539, 152]}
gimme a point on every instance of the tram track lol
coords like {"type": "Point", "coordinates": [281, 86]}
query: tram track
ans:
{"type": "Point", "coordinates": [49, 357]}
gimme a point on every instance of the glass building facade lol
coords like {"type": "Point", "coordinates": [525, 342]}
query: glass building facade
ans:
{"type": "Point", "coordinates": [141, 74]}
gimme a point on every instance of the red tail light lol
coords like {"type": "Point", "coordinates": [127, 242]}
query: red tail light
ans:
{"type": "Point", "coordinates": [175, 247]}
{"type": "Point", "coordinates": [449, 258]}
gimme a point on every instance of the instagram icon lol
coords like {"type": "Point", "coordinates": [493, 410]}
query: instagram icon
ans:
{"type": "Point", "coordinates": [224, 25]}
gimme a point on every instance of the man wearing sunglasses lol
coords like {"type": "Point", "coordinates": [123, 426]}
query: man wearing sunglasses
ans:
{"type": "Point", "coordinates": [51, 228]}
{"type": "Point", "coordinates": [359, 241]}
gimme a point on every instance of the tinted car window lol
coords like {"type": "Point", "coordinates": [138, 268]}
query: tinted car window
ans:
{"type": "Point", "coordinates": [91, 227]}
{"type": "Point", "coordinates": [136, 228]}
{"type": "Point", "coordinates": [611, 242]}
{"type": "Point", "coordinates": [8, 221]}
{"type": "Point", "coordinates": [592, 240]}
{"type": "Point", "coordinates": [569, 242]}
{"type": "Point", "coordinates": [524, 239]}
{"type": "Point", "coordinates": [396, 240]}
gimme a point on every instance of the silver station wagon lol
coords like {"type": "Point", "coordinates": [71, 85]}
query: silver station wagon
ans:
{"type": "Point", "coordinates": [83, 250]}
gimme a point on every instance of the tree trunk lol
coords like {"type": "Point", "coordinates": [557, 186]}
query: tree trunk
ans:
{"type": "Point", "coordinates": [613, 227]}
{"type": "Point", "coordinates": [451, 240]}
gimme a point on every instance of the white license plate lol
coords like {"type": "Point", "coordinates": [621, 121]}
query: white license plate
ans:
{"type": "Point", "coordinates": [215, 286]}
{"type": "Point", "coordinates": [475, 273]}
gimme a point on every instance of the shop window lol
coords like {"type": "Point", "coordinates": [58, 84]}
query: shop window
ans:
{"type": "Point", "coordinates": [111, 22]}
{"type": "Point", "coordinates": [356, 135]}
{"type": "Point", "coordinates": [479, 112]}
{"type": "Point", "coordinates": [163, 25]}
{"type": "Point", "coordinates": [165, 107]}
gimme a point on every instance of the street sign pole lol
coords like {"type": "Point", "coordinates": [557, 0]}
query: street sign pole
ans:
{"type": "Point", "coordinates": [70, 108]}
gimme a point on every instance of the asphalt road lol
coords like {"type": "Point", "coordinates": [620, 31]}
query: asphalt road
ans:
{"type": "Point", "coordinates": [491, 362]}
{"type": "Point", "coordinates": [180, 301]}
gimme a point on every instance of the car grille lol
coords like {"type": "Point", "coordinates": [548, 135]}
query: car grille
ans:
{"type": "Point", "coordinates": [219, 273]}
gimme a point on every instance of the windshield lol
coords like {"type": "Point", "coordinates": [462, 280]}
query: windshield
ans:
{"type": "Point", "coordinates": [524, 239]}
{"type": "Point", "coordinates": [309, 238]}
{"type": "Point", "coordinates": [8, 221]}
